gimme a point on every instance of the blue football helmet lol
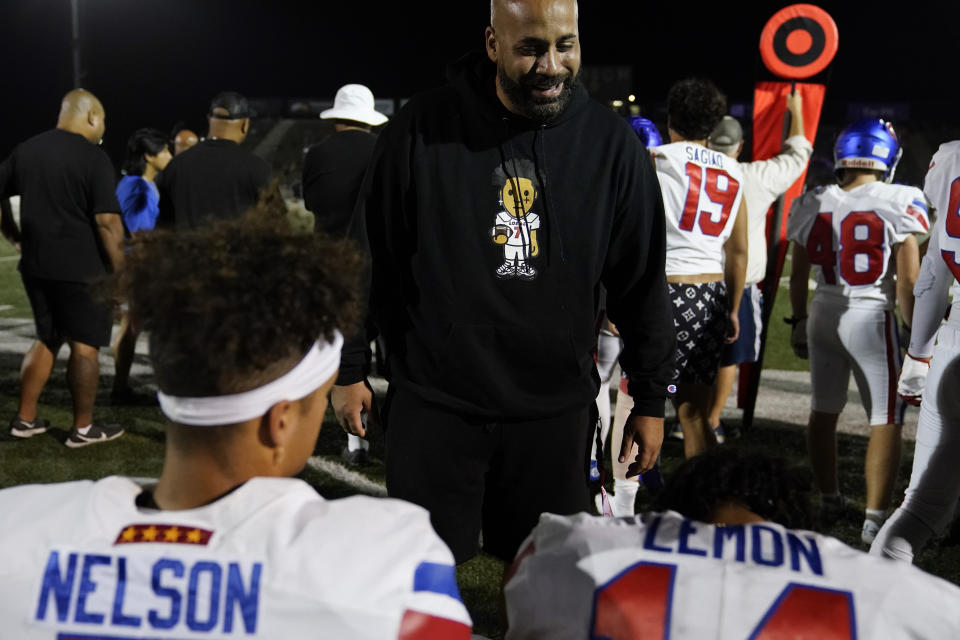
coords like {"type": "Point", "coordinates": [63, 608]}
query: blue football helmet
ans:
{"type": "Point", "coordinates": [646, 131]}
{"type": "Point", "coordinates": [870, 143]}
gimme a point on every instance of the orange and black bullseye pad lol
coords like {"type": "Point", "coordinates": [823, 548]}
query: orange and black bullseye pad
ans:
{"type": "Point", "coordinates": [799, 41]}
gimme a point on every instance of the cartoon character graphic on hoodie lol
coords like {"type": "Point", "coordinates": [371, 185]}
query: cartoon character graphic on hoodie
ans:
{"type": "Point", "coordinates": [516, 225]}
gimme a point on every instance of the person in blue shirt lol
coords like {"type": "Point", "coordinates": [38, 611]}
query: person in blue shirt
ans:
{"type": "Point", "coordinates": [148, 152]}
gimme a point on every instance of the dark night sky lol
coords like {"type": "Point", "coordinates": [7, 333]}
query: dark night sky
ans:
{"type": "Point", "coordinates": [154, 63]}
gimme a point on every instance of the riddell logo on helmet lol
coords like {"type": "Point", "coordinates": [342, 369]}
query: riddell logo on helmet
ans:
{"type": "Point", "coordinates": [853, 163]}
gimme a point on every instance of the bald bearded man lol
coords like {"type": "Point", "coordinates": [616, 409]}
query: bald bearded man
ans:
{"type": "Point", "coordinates": [72, 235]}
{"type": "Point", "coordinates": [496, 208]}
{"type": "Point", "coordinates": [183, 141]}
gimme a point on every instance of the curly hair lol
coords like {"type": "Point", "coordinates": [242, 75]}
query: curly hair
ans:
{"type": "Point", "coordinates": [238, 303]}
{"type": "Point", "coordinates": [695, 107]}
{"type": "Point", "coordinates": [766, 486]}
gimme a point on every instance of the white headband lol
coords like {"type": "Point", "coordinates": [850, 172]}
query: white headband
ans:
{"type": "Point", "coordinates": [311, 372]}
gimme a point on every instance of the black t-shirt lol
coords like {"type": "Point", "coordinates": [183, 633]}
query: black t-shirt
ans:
{"type": "Point", "coordinates": [215, 179]}
{"type": "Point", "coordinates": [332, 173]}
{"type": "Point", "coordinates": [63, 181]}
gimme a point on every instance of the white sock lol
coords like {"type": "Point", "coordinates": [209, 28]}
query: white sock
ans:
{"type": "Point", "coordinates": [877, 515]}
{"type": "Point", "coordinates": [85, 430]}
{"type": "Point", "coordinates": [356, 442]}
{"type": "Point", "coordinates": [624, 496]}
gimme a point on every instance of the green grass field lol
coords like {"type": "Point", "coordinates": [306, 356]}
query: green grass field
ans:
{"type": "Point", "coordinates": [140, 452]}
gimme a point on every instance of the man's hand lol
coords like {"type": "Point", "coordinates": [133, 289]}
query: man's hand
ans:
{"type": "Point", "coordinates": [647, 434]}
{"type": "Point", "coordinates": [794, 103]}
{"type": "Point", "coordinates": [349, 402]}
{"type": "Point", "coordinates": [798, 339]}
{"type": "Point", "coordinates": [733, 328]}
{"type": "Point", "coordinates": [913, 379]}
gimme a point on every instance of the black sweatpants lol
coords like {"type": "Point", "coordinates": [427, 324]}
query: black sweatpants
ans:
{"type": "Point", "coordinates": [494, 477]}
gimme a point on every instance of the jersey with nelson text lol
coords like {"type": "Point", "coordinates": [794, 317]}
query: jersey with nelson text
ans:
{"type": "Point", "coordinates": [270, 560]}
{"type": "Point", "coordinates": [701, 197]}
{"type": "Point", "coordinates": [664, 576]}
{"type": "Point", "coordinates": [849, 237]}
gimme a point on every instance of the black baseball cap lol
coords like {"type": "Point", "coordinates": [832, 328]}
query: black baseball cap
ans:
{"type": "Point", "coordinates": [231, 102]}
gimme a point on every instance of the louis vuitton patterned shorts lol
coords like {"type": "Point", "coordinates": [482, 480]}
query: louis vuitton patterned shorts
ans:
{"type": "Point", "coordinates": [700, 315]}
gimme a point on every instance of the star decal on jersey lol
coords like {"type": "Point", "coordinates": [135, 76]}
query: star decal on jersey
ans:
{"type": "Point", "coordinates": [163, 533]}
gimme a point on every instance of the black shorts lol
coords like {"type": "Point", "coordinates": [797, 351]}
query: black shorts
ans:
{"type": "Point", "coordinates": [68, 312]}
{"type": "Point", "coordinates": [475, 476]}
{"type": "Point", "coordinates": [701, 318]}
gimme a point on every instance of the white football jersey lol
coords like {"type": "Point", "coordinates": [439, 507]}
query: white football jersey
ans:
{"type": "Point", "coordinates": [520, 228]}
{"type": "Point", "coordinates": [701, 197]}
{"type": "Point", "coordinates": [942, 187]}
{"type": "Point", "coordinates": [849, 237]}
{"type": "Point", "coordinates": [663, 576]}
{"type": "Point", "coordinates": [270, 560]}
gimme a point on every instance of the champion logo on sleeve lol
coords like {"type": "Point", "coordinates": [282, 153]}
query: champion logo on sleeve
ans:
{"type": "Point", "coordinates": [166, 533]}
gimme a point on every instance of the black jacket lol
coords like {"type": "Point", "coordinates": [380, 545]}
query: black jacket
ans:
{"type": "Point", "coordinates": [506, 331]}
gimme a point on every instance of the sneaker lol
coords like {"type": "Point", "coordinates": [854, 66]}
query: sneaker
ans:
{"type": "Point", "coordinates": [526, 272]}
{"type": "Point", "coordinates": [355, 458]}
{"type": "Point", "coordinates": [676, 432]}
{"type": "Point", "coordinates": [869, 531]}
{"type": "Point", "coordinates": [724, 432]}
{"type": "Point", "coordinates": [598, 502]}
{"type": "Point", "coordinates": [97, 433]}
{"type": "Point", "coordinates": [506, 270]}
{"type": "Point", "coordinates": [21, 429]}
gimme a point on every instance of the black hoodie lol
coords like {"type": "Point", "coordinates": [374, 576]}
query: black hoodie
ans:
{"type": "Point", "coordinates": [487, 299]}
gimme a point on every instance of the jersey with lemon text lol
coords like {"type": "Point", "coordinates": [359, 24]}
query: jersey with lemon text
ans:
{"type": "Point", "coordinates": [701, 197]}
{"type": "Point", "coordinates": [850, 237]}
{"type": "Point", "coordinates": [270, 560]}
{"type": "Point", "coordinates": [663, 576]}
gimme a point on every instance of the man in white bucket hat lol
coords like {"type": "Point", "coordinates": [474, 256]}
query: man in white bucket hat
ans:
{"type": "Point", "coordinates": [332, 173]}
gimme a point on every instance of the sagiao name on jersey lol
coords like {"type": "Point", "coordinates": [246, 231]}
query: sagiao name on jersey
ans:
{"type": "Point", "coordinates": [696, 153]}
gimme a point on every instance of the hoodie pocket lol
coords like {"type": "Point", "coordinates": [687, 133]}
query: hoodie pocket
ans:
{"type": "Point", "coordinates": [498, 363]}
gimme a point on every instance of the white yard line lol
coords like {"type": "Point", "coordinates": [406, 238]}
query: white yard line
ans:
{"type": "Point", "coordinates": [339, 472]}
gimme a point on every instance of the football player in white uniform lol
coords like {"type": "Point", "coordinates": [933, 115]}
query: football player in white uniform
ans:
{"type": "Point", "coordinates": [705, 263]}
{"type": "Point", "coordinates": [725, 567]}
{"type": "Point", "coordinates": [763, 182]}
{"type": "Point", "coordinates": [858, 234]}
{"type": "Point", "coordinates": [934, 483]}
{"type": "Point", "coordinates": [243, 321]}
